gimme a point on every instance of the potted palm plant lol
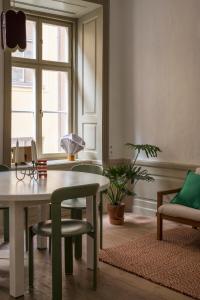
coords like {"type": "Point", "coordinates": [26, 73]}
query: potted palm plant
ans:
{"type": "Point", "coordinates": [123, 178]}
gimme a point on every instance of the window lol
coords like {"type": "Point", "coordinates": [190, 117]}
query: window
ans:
{"type": "Point", "coordinates": [41, 86]}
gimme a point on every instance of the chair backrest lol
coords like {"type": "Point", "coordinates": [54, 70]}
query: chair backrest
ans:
{"type": "Point", "coordinates": [74, 192]}
{"type": "Point", "coordinates": [88, 168]}
{"type": "Point", "coordinates": [4, 168]}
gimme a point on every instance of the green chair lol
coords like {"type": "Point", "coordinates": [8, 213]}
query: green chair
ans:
{"type": "Point", "coordinates": [78, 205]}
{"type": "Point", "coordinates": [4, 168]}
{"type": "Point", "coordinates": [66, 228]}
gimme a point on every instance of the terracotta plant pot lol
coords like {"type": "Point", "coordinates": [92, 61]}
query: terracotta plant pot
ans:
{"type": "Point", "coordinates": [116, 213]}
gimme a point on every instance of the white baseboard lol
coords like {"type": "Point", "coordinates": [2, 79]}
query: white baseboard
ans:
{"type": "Point", "coordinates": [144, 207]}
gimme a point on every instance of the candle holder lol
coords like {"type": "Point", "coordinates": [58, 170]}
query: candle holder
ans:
{"type": "Point", "coordinates": [31, 171]}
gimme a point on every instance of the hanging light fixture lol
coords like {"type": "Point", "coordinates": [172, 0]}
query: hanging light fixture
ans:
{"type": "Point", "coordinates": [13, 30]}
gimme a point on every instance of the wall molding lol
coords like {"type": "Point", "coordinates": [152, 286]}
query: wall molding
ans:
{"type": "Point", "coordinates": [157, 164]}
{"type": "Point", "coordinates": [168, 165]}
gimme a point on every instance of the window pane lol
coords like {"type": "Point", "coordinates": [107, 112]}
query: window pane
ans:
{"type": "Point", "coordinates": [54, 126]}
{"type": "Point", "coordinates": [55, 87]}
{"type": "Point", "coordinates": [22, 76]}
{"type": "Point", "coordinates": [23, 89]}
{"type": "Point", "coordinates": [55, 90]}
{"type": "Point", "coordinates": [17, 76]}
{"type": "Point", "coordinates": [23, 103]}
{"type": "Point", "coordinates": [30, 51]}
{"type": "Point", "coordinates": [58, 36]}
{"type": "Point", "coordinates": [23, 126]}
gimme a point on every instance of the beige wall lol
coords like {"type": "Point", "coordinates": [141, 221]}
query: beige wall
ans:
{"type": "Point", "coordinates": [161, 82]}
{"type": "Point", "coordinates": [116, 97]}
{"type": "Point", "coordinates": [1, 98]}
{"type": "Point", "coordinates": [157, 83]}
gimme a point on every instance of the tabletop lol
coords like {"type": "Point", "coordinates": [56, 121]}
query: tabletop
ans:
{"type": "Point", "coordinates": [13, 190]}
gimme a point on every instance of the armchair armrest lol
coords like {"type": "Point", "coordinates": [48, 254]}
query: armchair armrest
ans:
{"type": "Point", "coordinates": [161, 194]}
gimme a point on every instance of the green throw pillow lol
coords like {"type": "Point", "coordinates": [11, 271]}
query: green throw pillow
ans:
{"type": "Point", "coordinates": [190, 192]}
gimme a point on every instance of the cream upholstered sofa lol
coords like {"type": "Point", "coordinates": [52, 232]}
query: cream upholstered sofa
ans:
{"type": "Point", "coordinates": [175, 212]}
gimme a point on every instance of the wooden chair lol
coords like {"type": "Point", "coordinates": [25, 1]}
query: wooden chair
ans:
{"type": "Point", "coordinates": [174, 212]}
{"type": "Point", "coordinates": [66, 228]}
{"type": "Point", "coordinates": [76, 206]}
{"type": "Point", "coordinates": [4, 168]}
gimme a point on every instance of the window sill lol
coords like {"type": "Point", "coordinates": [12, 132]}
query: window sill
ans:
{"type": "Point", "coordinates": [61, 164]}
{"type": "Point", "coordinates": [64, 164]}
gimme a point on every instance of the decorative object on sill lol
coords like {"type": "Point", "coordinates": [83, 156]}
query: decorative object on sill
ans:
{"type": "Point", "coordinates": [24, 153]}
{"type": "Point", "coordinates": [123, 179]}
{"type": "Point", "coordinates": [13, 30]}
{"type": "Point", "coordinates": [72, 144]}
{"type": "Point", "coordinates": [33, 151]}
{"type": "Point", "coordinates": [31, 169]}
{"type": "Point", "coordinates": [24, 148]}
{"type": "Point", "coordinates": [42, 168]}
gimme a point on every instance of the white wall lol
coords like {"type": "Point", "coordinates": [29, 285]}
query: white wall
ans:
{"type": "Point", "coordinates": [161, 77]}
{"type": "Point", "coordinates": [1, 97]}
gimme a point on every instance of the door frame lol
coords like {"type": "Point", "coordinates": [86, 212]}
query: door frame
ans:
{"type": "Point", "coordinates": [105, 93]}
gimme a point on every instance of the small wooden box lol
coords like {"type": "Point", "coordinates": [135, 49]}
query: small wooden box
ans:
{"type": "Point", "coordinates": [24, 154]}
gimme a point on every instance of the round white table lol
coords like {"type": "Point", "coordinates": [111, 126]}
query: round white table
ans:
{"type": "Point", "coordinates": [19, 194]}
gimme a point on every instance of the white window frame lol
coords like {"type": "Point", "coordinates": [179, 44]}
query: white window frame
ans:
{"type": "Point", "coordinates": [39, 64]}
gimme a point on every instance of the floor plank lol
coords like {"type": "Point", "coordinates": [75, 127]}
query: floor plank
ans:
{"type": "Point", "coordinates": [113, 283]}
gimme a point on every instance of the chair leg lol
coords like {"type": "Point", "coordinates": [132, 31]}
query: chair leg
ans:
{"type": "Point", "coordinates": [30, 259]}
{"type": "Point", "coordinates": [77, 214]}
{"type": "Point", "coordinates": [6, 224]}
{"type": "Point", "coordinates": [50, 241]}
{"type": "Point", "coordinates": [159, 227]}
{"type": "Point", "coordinates": [26, 227]}
{"type": "Point", "coordinates": [50, 244]}
{"type": "Point", "coordinates": [95, 263]}
{"type": "Point", "coordinates": [101, 220]}
{"type": "Point", "coordinates": [68, 256]}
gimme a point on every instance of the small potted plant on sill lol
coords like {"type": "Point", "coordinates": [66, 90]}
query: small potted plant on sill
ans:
{"type": "Point", "coordinates": [123, 179]}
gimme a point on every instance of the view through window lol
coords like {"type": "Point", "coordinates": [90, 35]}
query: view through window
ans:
{"type": "Point", "coordinates": [41, 86]}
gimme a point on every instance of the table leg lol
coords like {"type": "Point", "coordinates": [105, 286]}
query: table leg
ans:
{"type": "Point", "coordinates": [16, 225]}
{"type": "Point", "coordinates": [6, 224]}
{"type": "Point", "coordinates": [43, 216]}
{"type": "Point", "coordinates": [89, 239]}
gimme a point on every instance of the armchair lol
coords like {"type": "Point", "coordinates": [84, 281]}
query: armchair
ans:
{"type": "Point", "coordinates": [174, 212]}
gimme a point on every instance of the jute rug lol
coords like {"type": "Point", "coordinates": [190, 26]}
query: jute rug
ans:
{"type": "Point", "coordinates": [173, 262]}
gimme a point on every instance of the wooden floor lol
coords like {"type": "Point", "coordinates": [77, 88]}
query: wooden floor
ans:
{"type": "Point", "coordinates": [113, 283]}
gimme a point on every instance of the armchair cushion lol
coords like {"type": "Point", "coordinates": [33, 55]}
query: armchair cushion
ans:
{"type": "Point", "coordinates": [179, 211]}
{"type": "Point", "coordinates": [190, 192]}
